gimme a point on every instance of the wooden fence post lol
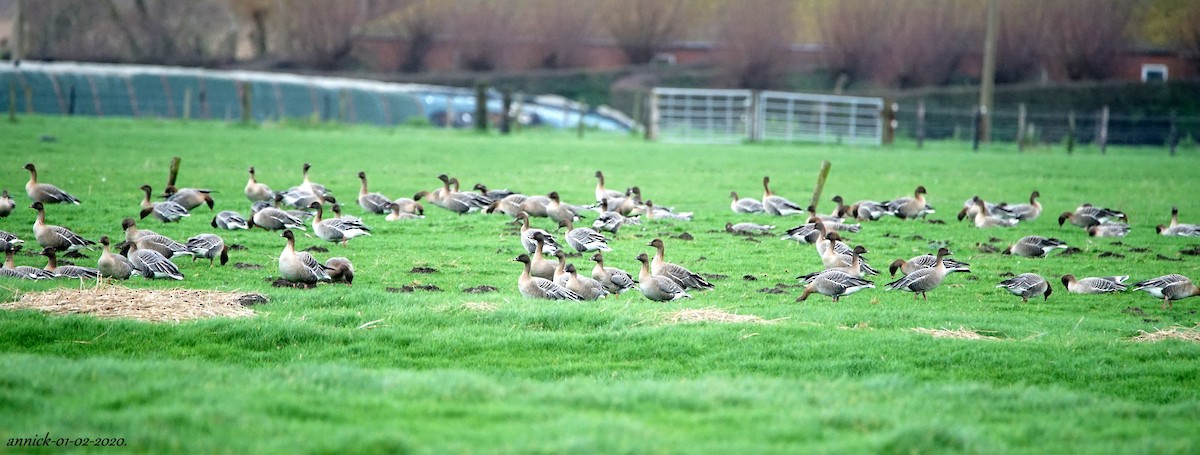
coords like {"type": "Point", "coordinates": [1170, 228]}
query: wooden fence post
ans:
{"type": "Point", "coordinates": [583, 107]}
{"type": "Point", "coordinates": [187, 103]}
{"type": "Point", "coordinates": [71, 101]}
{"type": "Point", "coordinates": [921, 123]}
{"type": "Point", "coordinates": [1070, 132]}
{"type": "Point", "coordinates": [889, 121]}
{"type": "Point", "coordinates": [652, 122]}
{"type": "Point", "coordinates": [1173, 134]}
{"type": "Point", "coordinates": [245, 91]}
{"type": "Point", "coordinates": [638, 100]}
{"type": "Point", "coordinates": [978, 121]}
{"type": "Point", "coordinates": [481, 120]}
{"type": "Point", "coordinates": [1021, 127]}
{"type": "Point", "coordinates": [12, 99]}
{"type": "Point", "coordinates": [505, 110]}
{"type": "Point", "coordinates": [449, 123]}
{"type": "Point", "coordinates": [1103, 134]}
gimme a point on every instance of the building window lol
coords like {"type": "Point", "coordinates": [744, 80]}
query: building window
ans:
{"type": "Point", "coordinates": [1154, 72]}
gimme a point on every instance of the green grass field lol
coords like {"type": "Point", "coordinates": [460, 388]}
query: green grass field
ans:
{"type": "Point", "coordinates": [437, 374]}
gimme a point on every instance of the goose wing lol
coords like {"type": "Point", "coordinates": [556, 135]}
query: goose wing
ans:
{"type": "Point", "coordinates": [152, 264]}
{"type": "Point", "coordinates": [555, 291]}
{"type": "Point", "coordinates": [70, 238]}
{"type": "Point", "coordinates": [54, 194]}
{"type": "Point", "coordinates": [1022, 283]}
{"type": "Point", "coordinates": [315, 268]}
{"type": "Point", "coordinates": [684, 277]}
{"type": "Point", "coordinates": [588, 239]}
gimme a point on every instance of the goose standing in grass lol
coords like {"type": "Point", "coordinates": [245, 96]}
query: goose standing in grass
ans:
{"type": "Point", "coordinates": [558, 211]}
{"type": "Point", "coordinates": [1094, 285]}
{"type": "Point", "coordinates": [229, 220]}
{"type": "Point", "coordinates": [854, 267]}
{"type": "Point", "coordinates": [749, 228]}
{"type": "Point", "coordinates": [112, 265]}
{"type": "Point", "coordinates": [614, 280]}
{"type": "Point", "coordinates": [257, 191]}
{"type": "Point", "coordinates": [540, 288]}
{"type": "Point", "coordinates": [926, 261]}
{"type": "Point", "coordinates": [1027, 285]}
{"type": "Point", "coordinates": [908, 208]}
{"type": "Point", "coordinates": [132, 233]}
{"type": "Point", "coordinates": [1182, 230]}
{"type": "Point", "coordinates": [745, 205]}
{"type": "Point", "coordinates": [560, 268]}
{"type": "Point", "coordinates": [854, 260]}
{"type": "Point", "coordinates": [396, 214]}
{"type": "Point", "coordinates": [658, 288]}
{"type": "Point", "coordinates": [603, 193]}
{"type": "Point", "coordinates": [1086, 216]}
{"type": "Point", "coordinates": [208, 246]}
{"type": "Point", "coordinates": [806, 233]}
{"type": "Point", "coordinates": [27, 272]}
{"type": "Point", "coordinates": [685, 277]}
{"type": "Point", "coordinates": [166, 211]}
{"type": "Point", "coordinates": [67, 271]}
{"type": "Point", "coordinates": [150, 264]}
{"type": "Point", "coordinates": [924, 280]}
{"type": "Point", "coordinates": [163, 245]}
{"type": "Point", "coordinates": [7, 204]}
{"type": "Point", "coordinates": [273, 219]}
{"type": "Point", "coordinates": [1027, 212]}
{"type": "Point", "coordinates": [612, 222]}
{"type": "Point", "coordinates": [868, 210]}
{"type": "Point", "coordinates": [371, 202]}
{"type": "Point", "coordinates": [814, 217]}
{"type": "Point", "coordinates": [587, 288]}
{"type": "Point", "coordinates": [44, 192]}
{"type": "Point", "coordinates": [57, 237]}
{"type": "Point", "coordinates": [190, 198]}
{"type": "Point", "coordinates": [308, 186]}
{"type": "Point", "coordinates": [528, 235]}
{"type": "Point", "coordinates": [1108, 230]}
{"type": "Point", "coordinates": [508, 205]}
{"type": "Point", "coordinates": [299, 267]}
{"type": "Point", "coordinates": [494, 194]}
{"type": "Point", "coordinates": [1035, 246]}
{"type": "Point", "coordinates": [777, 205]}
{"type": "Point", "coordinates": [584, 239]}
{"type": "Point", "coordinates": [336, 229]}
{"type": "Point", "coordinates": [985, 219]}
{"type": "Point", "coordinates": [538, 264]}
{"type": "Point", "coordinates": [340, 269]}
{"type": "Point", "coordinates": [407, 205]}
{"type": "Point", "coordinates": [835, 284]}
{"type": "Point", "coordinates": [842, 210]}
{"type": "Point", "coordinates": [1169, 288]}
{"type": "Point", "coordinates": [536, 206]}
{"type": "Point", "coordinates": [652, 214]}
{"type": "Point", "coordinates": [971, 209]}
{"type": "Point", "coordinates": [11, 240]}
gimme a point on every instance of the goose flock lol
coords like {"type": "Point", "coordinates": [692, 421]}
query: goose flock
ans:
{"type": "Point", "coordinates": [546, 272]}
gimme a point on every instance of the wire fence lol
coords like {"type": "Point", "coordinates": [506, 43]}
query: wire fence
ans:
{"type": "Point", "coordinates": [1048, 127]}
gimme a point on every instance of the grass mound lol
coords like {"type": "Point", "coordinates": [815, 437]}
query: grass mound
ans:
{"type": "Point", "coordinates": [152, 305]}
{"type": "Point", "coordinates": [1170, 333]}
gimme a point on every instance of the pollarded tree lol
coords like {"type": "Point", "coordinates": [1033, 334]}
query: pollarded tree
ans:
{"type": "Point", "coordinates": [754, 39]}
{"type": "Point", "coordinates": [561, 29]}
{"type": "Point", "coordinates": [856, 35]}
{"type": "Point", "coordinates": [1023, 28]}
{"type": "Point", "coordinates": [1086, 36]}
{"type": "Point", "coordinates": [318, 33]}
{"type": "Point", "coordinates": [642, 28]}
{"type": "Point", "coordinates": [481, 29]}
{"type": "Point", "coordinates": [928, 41]}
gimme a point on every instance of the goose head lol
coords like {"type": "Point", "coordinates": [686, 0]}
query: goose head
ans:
{"type": "Point", "coordinates": [1064, 217]}
{"type": "Point", "coordinates": [1066, 280]}
{"type": "Point", "coordinates": [599, 258]}
{"type": "Point", "coordinates": [657, 243]}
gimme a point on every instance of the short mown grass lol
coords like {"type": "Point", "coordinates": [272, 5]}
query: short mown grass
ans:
{"type": "Point", "coordinates": [362, 369]}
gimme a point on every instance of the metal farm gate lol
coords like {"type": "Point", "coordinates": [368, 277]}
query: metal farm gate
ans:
{"type": "Point", "coordinates": [732, 116]}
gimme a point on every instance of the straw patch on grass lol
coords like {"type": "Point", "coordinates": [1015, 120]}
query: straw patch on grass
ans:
{"type": "Point", "coordinates": [152, 305]}
{"type": "Point", "coordinates": [688, 316]}
{"type": "Point", "coordinates": [1170, 333]}
{"type": "Point", "coordinates": [958, 334]}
